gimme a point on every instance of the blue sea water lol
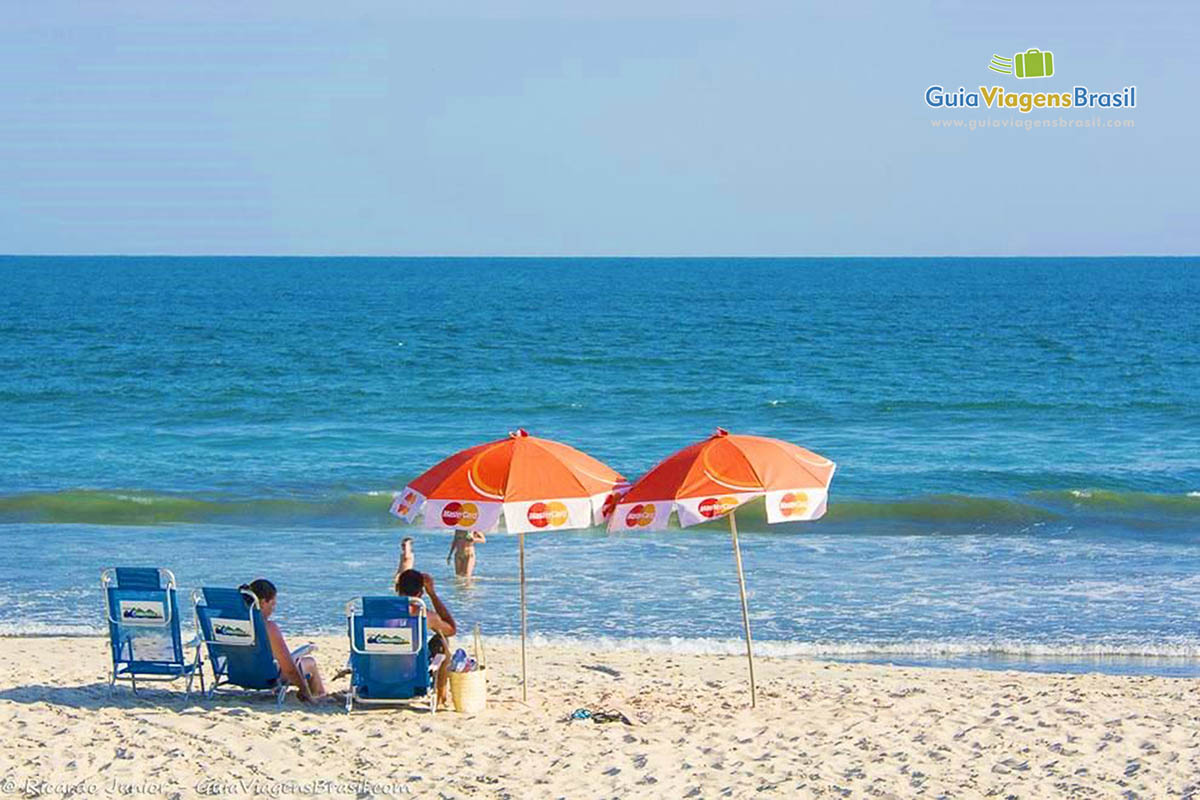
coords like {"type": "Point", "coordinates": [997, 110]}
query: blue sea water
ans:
{"type": "Point", "coordinates": [1018, 442]}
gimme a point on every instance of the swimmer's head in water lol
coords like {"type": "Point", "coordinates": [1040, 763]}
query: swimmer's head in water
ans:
{"type": "Point", "coordinates": [410, 583]}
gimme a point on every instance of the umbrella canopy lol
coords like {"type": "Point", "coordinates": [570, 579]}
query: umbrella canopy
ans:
{"type": "Point", "coordinates": [711, 479]}
{"type": "Point", "coordinates": [526, 483]}
{"type": "Point", "coordinates": [523, 483]}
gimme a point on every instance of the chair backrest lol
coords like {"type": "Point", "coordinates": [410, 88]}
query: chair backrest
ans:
{"type": "Point", "coordinates": [235, 634]}
{"type": "Point", "coordinates": [389, 653]}
{"type": "Point", "coordinates": [143, 616]}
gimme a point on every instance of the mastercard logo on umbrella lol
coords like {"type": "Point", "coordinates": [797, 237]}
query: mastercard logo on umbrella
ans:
{"type": "Point", "coordinates": [640, 515]}
{"type": "Point", "coordinates": [610, 505]}
{"type": "Point", "coordinates": [460, 515]}
{"type": "Point", "coordinates": [716, 506]}
{"type": "Point", "coordinates": [552, 514]}
{"type": "Point", "coordinates": [793, 504]}
{"type": "Point", "coordinates": [405, 505]}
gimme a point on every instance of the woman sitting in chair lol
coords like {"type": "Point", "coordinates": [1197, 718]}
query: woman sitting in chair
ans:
{"type": "Point", "coordinates": [301, 671]}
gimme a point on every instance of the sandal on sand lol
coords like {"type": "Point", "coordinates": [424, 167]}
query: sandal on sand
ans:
{"type": "Point", "coordinates": [599, 717]}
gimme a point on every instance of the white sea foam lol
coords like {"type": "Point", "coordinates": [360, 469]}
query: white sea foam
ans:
{"type": "Point", "coordinates": [45, 629]}
{"type": "Point", "coordinates": [1184, 649]}
{"type": "Point", "coordinates": [133, 498]}
{"type": "Point", "coordinates": [1188, 648]}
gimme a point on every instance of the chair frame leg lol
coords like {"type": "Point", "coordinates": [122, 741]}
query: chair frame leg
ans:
{"type": "Point", "coordinates": [197, 669]}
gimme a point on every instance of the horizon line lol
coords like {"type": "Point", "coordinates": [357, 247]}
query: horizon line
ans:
{"type": "Point", "coordinates": [675, 257]}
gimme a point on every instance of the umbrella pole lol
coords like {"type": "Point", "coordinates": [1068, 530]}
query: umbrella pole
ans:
{"type": "Point", "coordinates": [737, 556]}
{"type": "Point", "coordinates": [521, 550]}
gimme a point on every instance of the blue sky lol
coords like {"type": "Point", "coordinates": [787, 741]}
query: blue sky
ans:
{"type": "Point", "coordinates": [544, 128]}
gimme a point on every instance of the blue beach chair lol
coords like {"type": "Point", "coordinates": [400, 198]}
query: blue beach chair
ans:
{"type": "Point", "coordinates": [143, 628]}
{"type": "Point", "coordinates": [389, 652]}
{"type": "Point", "coordinates": [239, 648]}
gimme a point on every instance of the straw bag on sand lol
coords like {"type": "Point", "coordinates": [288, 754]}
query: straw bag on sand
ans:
{"type": "Point", "coordinates": [470, 688]}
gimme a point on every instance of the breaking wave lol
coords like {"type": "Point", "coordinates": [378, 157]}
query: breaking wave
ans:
{"type": "Point", "coordinates": [369, 509]}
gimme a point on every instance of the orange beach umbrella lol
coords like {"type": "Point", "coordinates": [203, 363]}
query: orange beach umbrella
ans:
{"type": "Point", "coordinates": [711, 479]}
{"type": "Point", "coordinates": [523, 483]}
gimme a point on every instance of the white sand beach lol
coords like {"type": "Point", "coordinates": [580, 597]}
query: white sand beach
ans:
{"type": "Point", "coordinates": [821, 730]}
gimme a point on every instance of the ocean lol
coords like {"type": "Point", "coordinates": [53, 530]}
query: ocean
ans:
{"type": "Point", "coordinates": [1018, 442]}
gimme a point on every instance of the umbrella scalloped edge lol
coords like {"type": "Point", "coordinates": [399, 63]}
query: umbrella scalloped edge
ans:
{"type": "Point", "coordinates": [783, 505]}
{"type": "Point", "coordinates": [551, 514]}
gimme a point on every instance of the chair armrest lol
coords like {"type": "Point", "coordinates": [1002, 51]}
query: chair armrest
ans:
{"type": "Point", "coordinates": [303, 650]}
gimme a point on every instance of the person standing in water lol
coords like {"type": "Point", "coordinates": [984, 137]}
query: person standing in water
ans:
{"type": "Point", "coordinates": [407, 559]}
{"type": "Point", "coordinates": [462, 549]}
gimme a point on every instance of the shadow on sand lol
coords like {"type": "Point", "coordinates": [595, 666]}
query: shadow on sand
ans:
{"type": "Point", "coordinates": [92, 696]}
